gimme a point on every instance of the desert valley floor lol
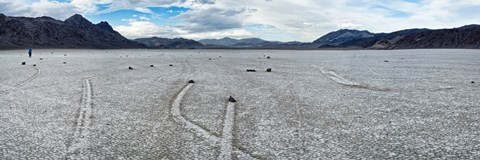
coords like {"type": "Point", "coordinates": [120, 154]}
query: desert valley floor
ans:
{"type": "Point", "coordinates": [88, 104]}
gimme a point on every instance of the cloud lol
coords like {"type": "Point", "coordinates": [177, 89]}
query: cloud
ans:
{"type": "Point", "coordinates": [212, 19]}
{"type": "Point", "coordinates": [140, 29]}
{"type": "Point", "coordinates": [233, 33]}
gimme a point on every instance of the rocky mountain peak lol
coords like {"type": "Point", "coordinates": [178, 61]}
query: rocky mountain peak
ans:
{"type": "Point", "coordinates": [105, 26]}
{"type": "Point", "coordinates": [77, 20]}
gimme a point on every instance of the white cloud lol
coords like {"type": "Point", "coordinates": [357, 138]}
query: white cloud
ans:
{"type": "Point", "coordinates": [233, 33]}
{"type": "Point", "coordinates": [140, 29]}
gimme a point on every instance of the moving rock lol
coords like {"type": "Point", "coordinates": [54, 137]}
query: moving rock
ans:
{"type": "Point", "coordinates": [231, 99]}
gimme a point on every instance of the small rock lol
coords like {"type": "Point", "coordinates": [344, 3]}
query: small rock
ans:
{"type": "Point", "coordinates": [64, 62]}
{"type": "Point", "coordinates": [231, 99]}
{"type": "Point", "coordinates": [41, 58]}
{"type": "Point", "coordinates": [209, 58]}
{"type": "Point", "coordinates": [191, 81]}
{"type": "Point", "coordinates": [251, 70]}
{"type": "Point", "coordinates": [269, 70]}
{"type": "Point", "coordinates": [386, 61]}
{"type": "Point", "coordinates": [170, 65]}
{"type": "Point", "coordinates": [65, 55]}
{"type": "Point", "coordinates": [472, 82]}
{"type": "Point", "coordinates": [24, 63]}
{"type": "Point", "coordinates": [130, 68]}
{"type": "Point", "coordinates": [268, 57]}
{"type": "Point", "coordinates": [152, 65]}
{"type": "Point", "coordinates": [34, 64]}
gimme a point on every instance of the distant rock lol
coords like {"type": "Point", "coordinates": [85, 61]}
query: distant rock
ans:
{"type": "Point", "coordinates": [46, 32]}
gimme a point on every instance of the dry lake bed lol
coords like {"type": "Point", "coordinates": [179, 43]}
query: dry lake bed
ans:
{"type": "Point", "coordinates": [88, 104]}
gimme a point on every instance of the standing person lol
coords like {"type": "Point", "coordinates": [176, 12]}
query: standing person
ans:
{"type": "Point", "coordinates": [29, 52]}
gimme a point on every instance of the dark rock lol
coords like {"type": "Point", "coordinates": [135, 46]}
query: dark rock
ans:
{"type": "Point", "coordinates": [268, 57]}
{"type": "Point", "coordinates": [386, 61]}
{"type": "Point", "coordinates": [65, 55]}
{"type": "Point", "coordinates": [34, 64]}
{"type": "Point", "coordinates": [209, 58]}
{"type": "Point", "coordinates": [130, 68]}
{"type": "Point", "coordinates": [152, 65]}
{"type": "Point", "coordinates": [472, 82]}
{"type": "Point", "coordinates": [170, 65]}
{"type": "Point", "coordinates": [231, 99]}
{"type": "Point", "coordinates": [191, 81]}
{"type": "Point", "coordinates": [24, 63]}
{"type": "Point", "coordinates": [64, 62]}
{"type": "Point", "coordinates": [269, 70]}
{"type": "Point", "coordinates": [251, 70]}
{"type": "Point", "coordinates": [41, 58]}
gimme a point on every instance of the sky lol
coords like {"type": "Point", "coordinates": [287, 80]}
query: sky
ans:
{"type": "Point", "coordinates": [276, 20]}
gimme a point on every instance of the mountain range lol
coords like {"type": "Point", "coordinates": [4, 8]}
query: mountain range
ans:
{"type": "Point", "coordinates": [165, 43]}
{"type": "Point", "coordinates": [78, 32]}
{"type": "Point", "coordinates": [46, 32]}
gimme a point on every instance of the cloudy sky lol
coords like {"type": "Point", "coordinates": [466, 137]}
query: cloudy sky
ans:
{"type": "Point", "coordinates": [282, 20]}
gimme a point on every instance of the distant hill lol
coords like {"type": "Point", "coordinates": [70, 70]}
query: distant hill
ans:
{"type": "Point", "coordinates": [230, 42]}
{"type": "Point", "coordinates": [342, 36]}
{"type": "Point", "coordinates": [46, 32]}
{"type": "Point", "coordinates": [165, 43]}
{"type": "Point", "coordinates": [462, 37]}
{"type": "Point", "coordinates": [251, 43]}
